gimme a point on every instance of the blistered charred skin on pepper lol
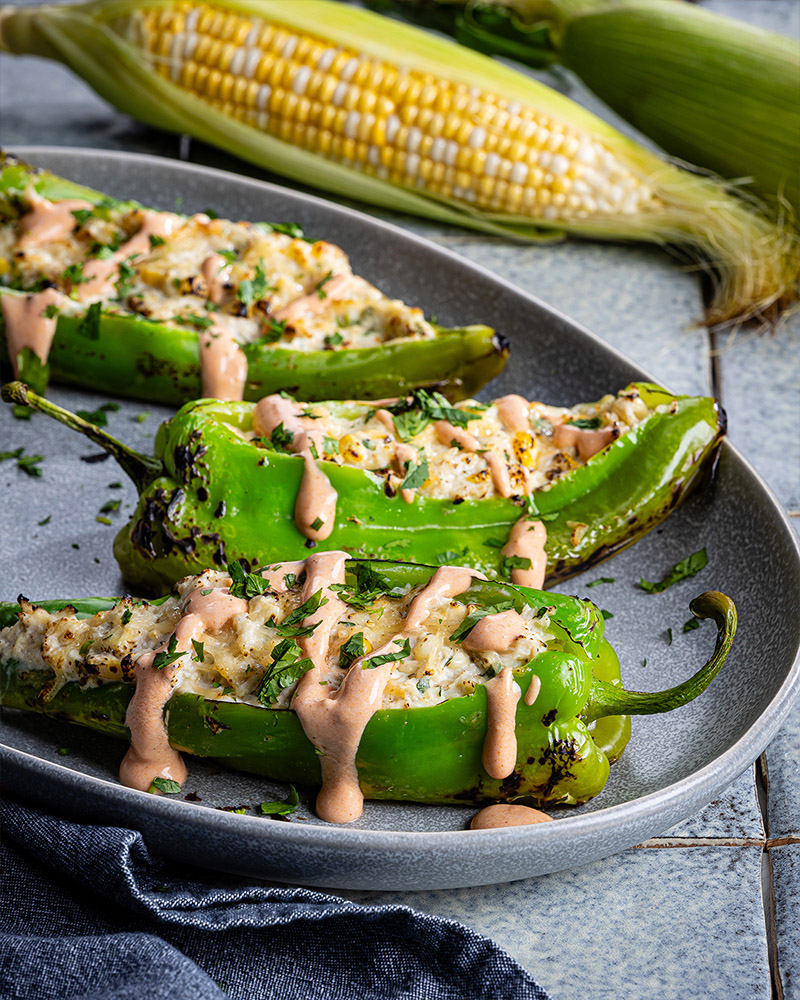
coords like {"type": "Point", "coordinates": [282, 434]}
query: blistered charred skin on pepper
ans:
{"type": "Point", "coordinates": [150, 360]}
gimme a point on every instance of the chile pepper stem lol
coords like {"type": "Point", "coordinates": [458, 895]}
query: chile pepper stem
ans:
{"type": "Point", "coordinates": [142, 469]}
{"type": "Point", "coordinates": [605, 699]}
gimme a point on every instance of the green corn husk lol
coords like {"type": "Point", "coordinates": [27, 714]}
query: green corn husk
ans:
{"type": "Point", "coordinates": [712, 90]}
{"type": "Point", "coordinates": [755, 261]}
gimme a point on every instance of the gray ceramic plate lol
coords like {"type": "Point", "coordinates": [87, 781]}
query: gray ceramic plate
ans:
{"type": "Point", "coordinates": [674, 764]}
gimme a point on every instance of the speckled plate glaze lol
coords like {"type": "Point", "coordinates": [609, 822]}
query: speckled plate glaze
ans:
{"type": "Point", "coordinates": [674, 764]}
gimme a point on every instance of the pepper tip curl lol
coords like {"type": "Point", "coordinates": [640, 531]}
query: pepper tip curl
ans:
{"type": "Point", "coordinates": [605, 699]}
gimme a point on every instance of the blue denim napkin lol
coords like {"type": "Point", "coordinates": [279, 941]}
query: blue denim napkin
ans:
{"type": "Point", "coordinates": [87, 913]}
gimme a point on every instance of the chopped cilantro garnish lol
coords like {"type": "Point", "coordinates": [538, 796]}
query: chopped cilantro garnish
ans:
{"type": "Point", "coordinates": [320, 286]}
{"type": "Point", "coordinates": [81, 215]}
{"type": "Point", "coordinates": [253, 290]}
{"type": "Point", "coordinates": [585, 423]}
{"type": "Point", "coordinates": [351, 650]}
{"type": "Point", "coordinates": [51, 311]}
{"type": "Point", "coordinates": [602, 579]}
{"type": "Point", "coordinates": [606, 614]}
{"type": "Point", "coordinates": [164, 657]}
{"type": "Point", "coordinates": [124, 282]}
{"type": "Point", "coordinates": [275, 331]}
{"type": "Point", "coordinates": [156, 241]}
{"type": "Point", "coordinates": [63, 752]}
{"type": "Point", "coordinates": [333, 340]}
{"type": "Point", "coordinates": [29, 464]}
{"type": "Point", "coordinates": [45, 521]}
{"type": "Point", "coordinates": [141, 417]}
{"type": "Point", "coordinates": [74, 274]}
{"type": "Point", "coordinates": [89, 326]}
{"type": "Point", "coordinates": [287, 667]}
{"type": "Point", "coordinates": [495, 543]}
{"type": "Point", "coordinates": [98, 416]}
{"type": "Point", "coordinates": [281, 438]}
{"type": "Point", "coordinates": [317, 523]}
{"type": "Point", "coordinates": [377, 661]}
{"type": "Point", "coordinates": [330, 445]}
{"type": "Point", "coordinates": [415, 476]}
{"type": "Point", "coordinates": [127, 614]}
{"type": "Point", "coordinates": [199, 651]}
{"type": "Point", "coordinates": [167, 786]}
{"type": "Point", "coordinates": [365, 589]}
{"type": "Point", "coordinates": [289, 579]}
{"type": "Point", "coordinates": [292, 626]}
{"type": "Point", "coordinates": [508, 563]}
{"type": "Point", "coordinates": [691, 625]}
{"type": "Point", "coordinates": [109, 506]}
{"type": "Point", "coordinates": [682, 570]}
{"type": "Point", "coordinates": [195, 320]}
{"type": "Point", "coordinates": [243, 584]}
{"type": "Point", "coordinates": [229, 256]}
{"type": "Point", "coordinates": [472, 619]}
{"type": "Point", "coordinates": [413, 414]}
{"type": "Point", "coordinates": [84, 647]}
{"type": "Point", "coordinates": [285, 808]}
{"type": "Point", "coordinates": [292, 229]}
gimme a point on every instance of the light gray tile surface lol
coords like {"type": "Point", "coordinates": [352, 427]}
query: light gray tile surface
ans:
{"type": "Point", "coordinates": [783, 765]}
{"type": "Point", "coordinates": [733, 816]}
{"type": "Point", "coordinates": [786, 881]}
{"type": "Point", "coordinates": [761, 394]}
{"type": "Point", "coordinates": [655, 924]}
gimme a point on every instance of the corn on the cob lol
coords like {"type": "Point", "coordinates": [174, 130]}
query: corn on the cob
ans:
{"type": "Point", "coordinates": [717, 92]}
{"type": "Point", "coordinates": [311, 89]}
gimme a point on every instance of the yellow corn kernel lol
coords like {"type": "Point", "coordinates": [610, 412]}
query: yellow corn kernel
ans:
{"type": "Point", "coordinates": [351, 449]}
{"type": "Point", "coordinates": [524, 447]}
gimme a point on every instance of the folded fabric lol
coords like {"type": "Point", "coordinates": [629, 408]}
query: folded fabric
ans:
{"type": "Point", "coordinates": [87, 913]}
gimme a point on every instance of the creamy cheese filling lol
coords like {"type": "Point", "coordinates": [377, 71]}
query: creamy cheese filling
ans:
{"type": "Point", "coordinates": [509, 448]}
{"type": "Point", "coordinates": [260, 282]}
{"type": "Point", "coordinates": [105, 647]}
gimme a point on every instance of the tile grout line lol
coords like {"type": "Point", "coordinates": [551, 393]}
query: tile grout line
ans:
{"type": "Point", "coordinates": [768, 879]}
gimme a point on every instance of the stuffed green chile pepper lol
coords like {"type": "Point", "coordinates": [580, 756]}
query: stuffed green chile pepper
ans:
{"type": "Point", "coordinates": [350, 675]}
{"type": "Point", "coordinates": [167, 307]}
{"type": "Point", "coordinates": [524, 491]}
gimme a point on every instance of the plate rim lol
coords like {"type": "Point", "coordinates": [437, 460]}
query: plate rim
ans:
{"type": "Point", "coordinates": [713, 777]}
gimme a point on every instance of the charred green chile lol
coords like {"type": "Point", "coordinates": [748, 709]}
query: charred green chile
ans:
{"type": "Point", "coordinates": [135, 357]}
{"type": "Point", "coordinates": [578, 724]}
{"type": "Point", "coordinates": [208, 496]}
